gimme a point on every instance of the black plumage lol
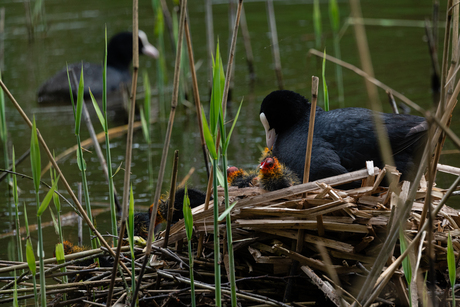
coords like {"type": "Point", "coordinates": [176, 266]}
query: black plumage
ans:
{"type": "Point", "coordinates": [142, 219]}
{"type": "Point", "coordinates": [344, 139]}
{"type": "Point", "coordinates": [119, 57]}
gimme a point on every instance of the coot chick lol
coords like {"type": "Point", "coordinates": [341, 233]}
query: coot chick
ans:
{"type": "Point", "coordinates": [119, 57]}
{"type": "Point", "coordinates": [274, 175]}
{"type": "Point", "coordinates": [344, 139]}
{"type": "Point", "coordinates": [142, 219]}
{"type": "Point", "coordinates": [238, 177]}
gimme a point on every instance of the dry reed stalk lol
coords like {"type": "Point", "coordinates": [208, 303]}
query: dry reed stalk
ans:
{"type": "Point", "coordinates": [239, 294]}
{"type": "Point", "coordinates": [384, 277]}
{"type": "Point", "coordinates": [209, 35]}
{"type": "Point", "coordinates": [17, 162]}
{"type": "Point", "coordinates": [392, 102]}
{"type": "Point", "coordinates": [63, 180]}
{"type": "Point", "coordinates": [93, 136]}
{"type": "Point", "coordinates": [247, 46]}
{"type": "Point", "coordinates": [325, 288]}
{"type": "Point", "coordinates": [174, 99]}
{"type": "Point", "coordinates": [231, 57]}
{"type": "Point", "coordinates": [311, 127]}
{"type": "Point", "coordinates": [196, 94]}
{"type": "Point", "coordinates": [100, 137]}
{"type": "Point", "coordinates": [224, 108]}
{"type": "Point", "coordinates": [333, 274]}
{"type": "Point", "coordinates": [363, 74]}
{"type": "Point", "coordinates": [129, 145]}
{"type": "Point", "coordinates": [432, 46]}
{"type": "Point", "coordinates": [445, 52]}
{"type": "Point", "coordinates": [374, 101]}
{"type": "Point", "coordinates": [169, 24]}
{"type": "Point", "coordinates": [364, 53]}
{"type": "Point", "coordinates": [172, 196]}
{"type": "Point", "coordinates": [275, 46]}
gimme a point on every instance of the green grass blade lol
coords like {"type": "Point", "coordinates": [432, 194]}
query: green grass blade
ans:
{"type": "Point", "coordinates": [46, 201]}
{"type": "Point", "coordinates": [188, 217]}
{"type": "Point", "coordinates": [334, 15]}
{"type": "Point", "coordinates": [131, 221]}
{"type": "Point", "coordinates": [104, 75]}
{"type": "Point", "coordinates": [81, 161]}
{"type": "Point", "coordinates": [145, 127]}
{"type": "Point", "coordinates": [3, 130]}
{"type": "Point", "coordinates": [227, 141]}
{"type": "Point", "coordinates": [55, 222]}
{"type": "Point", "coordinates": [317, 23]}
{"type": "Point", "coordinates": [81, 88]}
{"type": "Point", "coordinates": [31, 257]}
{"type": "Point", "coordinates": [15, 293]}
{"type": "Point", "coordinates": [71, 92]}
{"type": "Point", "coordinates": [35, 157]}
{"type": "Point", "coordinates": [452, 268]}
{"type": "Point", "coordinates": [147, 97]}
{"type": "Point", "coordinates": [60, 255]}
{"type": "Point", "coordinates": [227, 211]}
{"type": "Point", "coordinates": [406, 262]}
{"type": "Point", "coordinates": [208, 137]}
{"type": "Point", "coordinates": [56, 201]}
{"type": "Point", "coordinates": [98, 111]}
{"type": "Point", "coordinates": [326, 95]}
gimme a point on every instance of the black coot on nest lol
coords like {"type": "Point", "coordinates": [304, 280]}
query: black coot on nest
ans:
{"type": "Point", "coordinates": [344, 139]}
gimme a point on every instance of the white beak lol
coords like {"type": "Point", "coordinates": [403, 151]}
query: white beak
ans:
{"type": "Point", "coordinates": [270, 134]}
{"type": "Point", "coordinates": [148, 49]}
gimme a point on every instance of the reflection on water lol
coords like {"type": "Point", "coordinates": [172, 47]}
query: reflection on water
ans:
{"type": "Point", "coordinates": [75, 33]}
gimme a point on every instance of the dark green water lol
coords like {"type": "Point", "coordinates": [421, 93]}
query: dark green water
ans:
{"type": "Point", "coordinates": [75, 32]}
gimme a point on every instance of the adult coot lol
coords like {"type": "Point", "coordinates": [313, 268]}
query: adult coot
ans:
{"type": "Point", "coordinates": [344, 139]}
{"type": "Point", "coordinates": [119, 57]}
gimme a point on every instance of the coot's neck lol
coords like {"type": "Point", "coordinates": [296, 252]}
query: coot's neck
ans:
{"type": "Point", "coordinates": [120, 51]}
{"type": "Point", "coordinates": [119, 60]}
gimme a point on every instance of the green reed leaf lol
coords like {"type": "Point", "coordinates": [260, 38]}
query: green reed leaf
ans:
{"type": "Point", "coordinates": [35, 157]}
{"type": "Point", "coordinates": [46, 201]}
{"type": "Point", "coordinates": [98, 111]}
{"type": "Point", "coordinates": [334, 15]}
{"type": "Point", "coordinates": [317, 23]}
{"type": "Point", "coordinates": [227, 141]}
{"type": "Point", "coordinates": [30, 257]}
{"type": "Point", "coordinates": [208, 137]}
{"type": "Point", "coordinates": [451, 262]}
{"type": "Point", "coordinates": [145, 127]}
{"type": "Point", "coordinates": [131, 221]}
{"type": "Point", "coordinates": [81, 89]}
{"type": "Point", "coordinates": [227, 211]}
{"type": "Point", "coordinates": [60, 255]}
{"type": "Point", "coordinates": [188, 217]}
{"type": "Point", "coordinates": [326, 94]}
{"type": "Point", "coordinates": [406, 262]}
{"type": "Point", "coordinates": [81, 160]}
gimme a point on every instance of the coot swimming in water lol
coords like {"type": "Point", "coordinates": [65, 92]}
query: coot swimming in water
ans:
{"type": "Point", "coordinates": [344, 139]}
{"type": "Point", "coordinates": [119, 57]}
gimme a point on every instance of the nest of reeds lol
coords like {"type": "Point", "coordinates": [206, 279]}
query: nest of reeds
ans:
{"type": "Point", "coordinates": [311, 244]}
